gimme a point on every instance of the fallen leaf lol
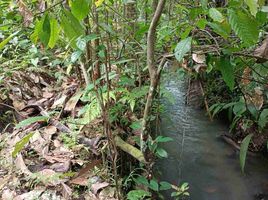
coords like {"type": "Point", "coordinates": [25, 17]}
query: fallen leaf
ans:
{"type": "Point", "coordinates": [199, 58]}
{"type": "Point", "coordinates": [97, 186]}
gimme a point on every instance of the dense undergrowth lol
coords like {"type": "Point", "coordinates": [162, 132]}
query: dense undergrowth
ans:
{"type": "Point", "coordinates": [78, 93]}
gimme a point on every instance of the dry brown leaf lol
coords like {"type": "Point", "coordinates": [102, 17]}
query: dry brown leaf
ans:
{"type": "Point", "coordinates": [199, 58]}
{"type": "Point", "coordinates": [25, 12]}
{"type": "Point", "coordinates": [71, 104]}
{"type": "Point", "coordinates": [246, 76]}
{"type": "Point", "coordinates": [262, 51]}
{"type": "Point", "coordinates": [84, 173]}
{"type": "Point", "coordinates": [66, 191]}
{"type": "Point", "coordinates": [95, 187]}
{"type": "Point", "coordinates": [19, 163]}
{"type": "Point", "coordinates": [61, 167]}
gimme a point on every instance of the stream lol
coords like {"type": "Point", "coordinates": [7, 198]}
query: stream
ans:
{"type": "Point", "coordinates": [201, 158]}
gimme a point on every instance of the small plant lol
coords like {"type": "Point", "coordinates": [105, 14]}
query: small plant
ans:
{"type": "Point", "coordinates": [156, 149]}
{"type": "Point", "coordinates": [180, 191]}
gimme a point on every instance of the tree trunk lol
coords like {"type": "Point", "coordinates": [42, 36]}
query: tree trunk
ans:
{"type": "Point", "coordinates": [153, 71]}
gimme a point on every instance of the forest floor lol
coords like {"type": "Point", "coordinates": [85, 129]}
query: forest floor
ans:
{"type": "Point", "coordinates": [51, 155]}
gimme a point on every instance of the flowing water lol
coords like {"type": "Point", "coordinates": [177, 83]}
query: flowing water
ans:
{"type": "Point", "coordinates": [198, 155]}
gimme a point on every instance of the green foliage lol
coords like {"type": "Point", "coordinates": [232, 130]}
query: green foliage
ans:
{"type": "Point", "coordinates": [216, 15]}
{"type": "Point", "coordinates": [182, 48]}
{"type": "Point", "coordinates": [71, 27]}
{"type": "Point", "coordinates": [243, 151]}
{"type": "Point", "coordinates": [5, 41]}
{"type": "Point", "coordinates": [253, 6]}
{"type": "Point", "coordinates": [138, 194]}
{"type": "Point", "coordinates": [31, 120]}
{"type": "Point", "coordinates": [245, 27]}
{"type": "Point", "coordinates": [263, 119]}
{"type": "Point", "coordinates": [19, 145]}
{"type": "Point", "coordinates": [227, 72]}
{"type": "Point", "coordinates": [80, 8]}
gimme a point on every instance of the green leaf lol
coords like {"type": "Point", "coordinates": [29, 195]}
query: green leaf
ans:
{"type": "Point", "coordinates": [141, 180]}
{"type": "Point", "coordinates": [75, 56]}
{"type": "Point", "coordinates": [154, 185]}
{"type": "Point", "coordinates": [163, 139]}
{"type": "Point", "coordinates": [204, 4]}
{"type": "Point", "coordinates": [223, 29]}
{"type": "Point", "coordinates": [263, 119]}
{"type": "Point", "coordinates": [183, 47]}
{"type": "Point", "coordinates": [44, 33]}
{"type": "Point", "coordinates": [71, 27]}
{"type": "Point", "coordinates": [227, 72]}
{"type": "Point", "coordinates": [19, 145]}
{"type": "Point", "coordinates": [54, 32]}
{"type": "Point", "coordinates": [216, 15]}
{"type": "Point", "coordinates": [253, 6]}
{"type": "Point", "coordinates": [80, 8]}
{"type": "Point", "coordinates": [244, 26]}
{"type": "Point", "coordinates": [243, 151]}
{"type": "Point", "coordinates": [161, 152]}
{"type": "Point", "coordinates": [164, 185]}
{"type": "Point", "coordinates": [137, 195]}
{"type": "Point", "coordinates": [201, 23]}
{"type": "Point", "coordinates": [31, 120]}
{"type": "Point", "coordinates": [5, 41]}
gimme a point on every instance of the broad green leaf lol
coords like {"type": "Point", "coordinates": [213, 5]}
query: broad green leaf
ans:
{"type": "Point", "coordinates": [253, 6]}
{"type": "Point", "coordinates": [44, 33]}
{"type": "Point", "coordinates": [243, 151]}
{"type": "Point", "coordinates": [31, 120]}
{"type": "Point", "coordinates": [216, 15]}
{"type": "Point", "coordinates": [164, 185]}
{"type": "Point", "coordinates": [244, 26]}
{"type": "Point", "coordinates": [223, 29]}
{"type": "Point", "coordinates": [80, 8]}
{"type": "Point", "coordinates": [19, 145]}
{"type": "Point", "coordinates": [263, 118]}
{"type": "Point", "coordinates": [54, 32]}
{"type": "Point", "coordinates": [201, 23]}
{"type": "Point", "coordinates": [163, 139]}
{"type": "Point", "coordinates": [239, 108]}
{"type": "Point", "coordinates": [37, 30]}
{"type": "Point", "coordinates": [161, 152]}
{"type": "Point", "coordinates": [183, 47]}
{"type": "Point", "coordinates": [154, 185]}
{"type": "Point", "coordinates": [227, 72]}
{"type": "Point", "coordinates": [138, 194]}
{"type": "Point", "coordinates": [71, 27]}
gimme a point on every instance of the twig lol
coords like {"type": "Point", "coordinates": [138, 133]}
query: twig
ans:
{"type": "Point", "coordinates": [51, 7]}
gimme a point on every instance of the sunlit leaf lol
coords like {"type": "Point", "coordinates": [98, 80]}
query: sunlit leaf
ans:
{"type": "Point", "coordinates": [263, 118]}
{"type": "Point", "coordinates": [19, 145]}
{"type": "Point", "coordinates": [253, 6]}
{"type": "Point", "coordinates": [216, 15]}
{"type": "Point", "coordinates": [5, 41]}
{"type": "Point", "coordinates": [99, 3]}
{"type": "Point", "coordinates": [80, 8]}
{"type": "Point", "coordinates": [54, 32]}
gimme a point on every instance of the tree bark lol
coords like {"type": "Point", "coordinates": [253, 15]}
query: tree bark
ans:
{"type": "Point", "coordinates": [153, 71]}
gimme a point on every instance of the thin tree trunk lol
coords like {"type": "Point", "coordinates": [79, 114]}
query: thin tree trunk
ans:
{"type": "Point", "coordinates": [153, 71]}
